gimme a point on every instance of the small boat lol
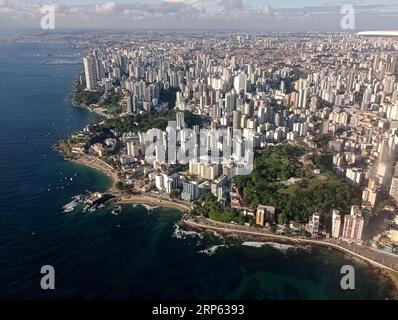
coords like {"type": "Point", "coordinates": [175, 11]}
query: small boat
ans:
{"type": "Point", "coordinates": [70, 206]}
{"type": "Point", "coordinates": [78, 198]}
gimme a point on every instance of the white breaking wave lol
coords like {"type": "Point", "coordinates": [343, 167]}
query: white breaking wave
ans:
{"type": "Point", "coordinates": [183, 234]}
{"type": "Point", "coordinates": [275, 245]}
{"type": "Point", "coordinates": [148, 207]}
{"type": "Point", "coordinates": [254, 244]}
{"type": "Point", "coordinates": [212, 250]}
{"type": "Point", "coordinates": [280, 246]}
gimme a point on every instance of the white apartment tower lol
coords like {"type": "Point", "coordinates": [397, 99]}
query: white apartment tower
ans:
{"type": "Point", "coordinates": [336, 224]}
{"type": "Point", "coordinates": [354, 225]}
{"type": "Point", "coordinates": [240, 83]}
{"type": "Point", "coordinates": [89, 71]}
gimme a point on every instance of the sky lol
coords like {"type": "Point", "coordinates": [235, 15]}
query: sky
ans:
{"type": "Point", "coordinates": [262, 15]}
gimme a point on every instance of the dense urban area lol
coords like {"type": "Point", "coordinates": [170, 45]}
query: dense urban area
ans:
{"type": "Point", "coordinates": [317, 114]}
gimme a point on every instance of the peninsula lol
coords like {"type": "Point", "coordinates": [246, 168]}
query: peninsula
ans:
{"type": "Point", "coordinates": [251, 137]}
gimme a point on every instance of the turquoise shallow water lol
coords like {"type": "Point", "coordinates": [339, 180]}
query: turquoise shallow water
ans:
{"type": "Point", "coordinates": [135, 255]}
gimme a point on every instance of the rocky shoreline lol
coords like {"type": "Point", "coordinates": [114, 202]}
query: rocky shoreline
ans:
{"type": "Point", "coordinates": [391, 277]}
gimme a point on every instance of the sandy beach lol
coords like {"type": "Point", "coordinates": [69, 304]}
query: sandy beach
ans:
{"type": "Point", "coordinates": [106, 169]}
{"type": "Point", "coordinates": [154, 202]}
{"type": "Point", "coordinates": [99, 165]}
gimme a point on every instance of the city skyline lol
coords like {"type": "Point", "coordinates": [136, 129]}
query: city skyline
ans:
{"type": "Point", "coordinates": [197, 150]}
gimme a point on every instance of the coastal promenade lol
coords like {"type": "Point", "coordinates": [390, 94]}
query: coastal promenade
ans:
{"type": "Point", "coordinates": [375, 258]}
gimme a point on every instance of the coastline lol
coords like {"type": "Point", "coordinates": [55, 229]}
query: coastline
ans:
{"type": "Point", "coordinates": [93, 110]}
{"type": "Point", "coordinates": [154, 202]}
{"type": "Point", "coordinates": [100, 113]}
{"type": "Point", "coordinates": [100, 166]}
{"type": "Point", "coordinates": [381, 271]}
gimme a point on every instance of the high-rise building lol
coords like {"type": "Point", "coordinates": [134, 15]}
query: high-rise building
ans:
{"type": "Point", "coordinates": [314, 223]}
{"type": "Point", "coordinates": [394, 188]}
{"type": "Point", "coordinates": [108, 84]}
{"type": "Point", "coordinates": [354, 225]}
{"type": "Point", "coordinates": [190, 191]}
{"type": "Point", "coordinates": [240, 83]}
{"type": "Point", "coordinates": [180, 120]}
{"type": "Point", "coordinates": [132, 149]}
{"type": "Point", "coordinates": [303, 98]}
{"type": "Point", "coordinates": [89, 71]}
{"type": "Point", "coordinates": [336, 224]}
{"type": "Point", "coordinates": [134, 103]}
{"type": "Point", "coordinates": [236, 119]}
{"type": "Point", "coordinates": [129, 104]}
{"type": "Point", "coordinates": [230, 102]}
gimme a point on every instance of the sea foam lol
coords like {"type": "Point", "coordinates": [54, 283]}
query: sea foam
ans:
{"type": "Point", "coordinates": [212, 250]}
{"type": "Point", "coordinates": [180, 233]}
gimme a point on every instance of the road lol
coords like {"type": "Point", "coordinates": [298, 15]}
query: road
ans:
{"type": "Point", "coordinates": [374, 257]}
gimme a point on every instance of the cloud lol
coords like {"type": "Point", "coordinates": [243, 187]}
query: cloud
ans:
{"type": "Point", "coordinates": [105, 8]}
{"type": "Point", "coordinates": [195, 14]}
{"type": "Point", "coordinates": [267, 10]}
{"type": "Point", "coordinates": [5, 7]}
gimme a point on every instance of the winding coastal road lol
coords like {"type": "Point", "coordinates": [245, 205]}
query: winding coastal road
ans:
{"type": "Point", "coordinates": [376, 258]}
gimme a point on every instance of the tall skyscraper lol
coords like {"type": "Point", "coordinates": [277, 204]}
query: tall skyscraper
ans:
{"type": "Point", "coordinates": [230, 102]}
{"type": "Point", "coordinates": [394, 188]}
{"type": "Point", "coordinates": [336, 224]}
{"type": "Point", "coordinates": [89, 71]}
{"type": "Point", "coordinates": [240, 83]}
{"type": "Point", "coordinates": [354, 225]}
{"type": "Point", "coordinates": [236, 119]}
{"type": "Point", "coordinates": [180, 120]}
{"type": "Point", "coordinates": [303, 98]}
{"type": "Point", "coordinates": [134, 103]}
{"type": "Point", "coordinates": [129, 104]}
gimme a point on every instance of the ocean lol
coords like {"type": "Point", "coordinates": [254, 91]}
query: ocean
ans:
{"type": "Point", "coordinates": [139, 254]}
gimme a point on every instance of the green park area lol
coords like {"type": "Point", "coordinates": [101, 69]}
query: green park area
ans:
{"type": "Point", "coordinates": [284, 177]}
{"type": "Point", "coordinates": [208, 206]}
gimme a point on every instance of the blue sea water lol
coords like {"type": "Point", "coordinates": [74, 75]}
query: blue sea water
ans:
{"type": "Point", "coordinates": [135, 255]}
